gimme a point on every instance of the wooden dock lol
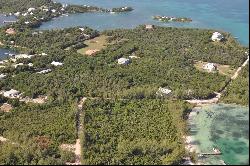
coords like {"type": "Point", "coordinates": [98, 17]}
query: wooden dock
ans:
{"type": "Point", "coordinates": [205, 154]}
{"type": "Point", "coordinates": [8, 21]}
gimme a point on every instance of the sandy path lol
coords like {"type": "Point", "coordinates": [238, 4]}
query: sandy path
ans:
{"type": "Point", "coordinates": [77, 146]}
{"type": "Point", "coordinates": [239, 69]}
{"type": "Point", "coordinates": [218, 95]}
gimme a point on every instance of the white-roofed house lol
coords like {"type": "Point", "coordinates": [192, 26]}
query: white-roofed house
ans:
{"type": "Point", "coordinates": [2, 76]}
{"type": "Point", "coordinates": [217, 36]}
{"type": "Point", "coordinates": [123, 61]}
{"type": "Point", "coordinates": [44, 71]}
{"type": "Point", "coordinates": [56, 63]}
{"type": "Point", "coordinates": [31, 9]}
{"type": "Point", "coordinates": [163, 91]}
{"type": "Point", "coordinates": [12, 93]}
{"type": "Point", "coordinates": [210, 67]}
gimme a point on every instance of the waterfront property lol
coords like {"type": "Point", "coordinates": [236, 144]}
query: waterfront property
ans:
{"type": "Point", "coordinates": [217, 36]}
{"type": "Point", "coordinates": [149, 26]}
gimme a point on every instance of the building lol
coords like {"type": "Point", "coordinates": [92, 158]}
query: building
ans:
{"type": "Point", "coordinates": [44, 71]}
{"type": "Point", "coordinates": [19, 64]}
{"type": "Point", "coordinates": [2, 76]}
{"type": "Point", "coordinates": [6, 107]}
{"type": "Point", "coordinates": [20, 56]}
{"type": "Point", "coordinates": [82, 29]}
{"type": "Point", "coordinates": [10, 31]}
{"type": "Point", "coordinates": [17, 14]}
{"type": "Point", "coordinates": [12, 94]}
{"type": "Point", "coordinates": [31, 9]}
{"type": "Point", "coordinates": [56, 63]}
{"type": "Point", "coordinates": [123, 61]}
{"type": "Point", "coordinates": [30, 64]}
{"type": "Point", "coordinates": [149, 26]}
{"type": "Point", "coordinates": [210, 67]}
{"type": "Point", "coordinates": [133, 57]}
{"type": "Point", "coordinates": [217, 36]}
{"type": "Point", "coordinates": [53, 10]}
{"type": "Point", "coordinates": [163, 91]}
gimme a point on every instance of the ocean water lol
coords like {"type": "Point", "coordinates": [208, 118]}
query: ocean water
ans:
{"type": "Point", "coordinates": [6, 18]}
{"type": "Point", "coordinates": [4, 53]}
{"type": "Point", "coordinates": [224, 126]}
{"type": "Point", "coordinates": [227, 15]}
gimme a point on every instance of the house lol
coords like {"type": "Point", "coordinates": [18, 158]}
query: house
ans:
{"type": "Point", "coordinates": [6, 107]}
{"type": "Point", "coordinates": [17, 14]}
{"type": "Point", "coordinates": [26, 56]}
{"type": "Point", "coordinates": [26, 22]}
{"type": "Point", "coordinates": [44, 54]}
{"type": "Point", "coordinates": [44, 71]}
{"type": "Point", "coordinates": [46, 10]}
{"type": "Point", "coordinates": [31, 9]}
{"type": "Point", "coordinates": [19, 64]}
{"type": "Point", "coordinates": [12, 94]}
{"type": "Point", "coordinates": [56, 63]}
{"type": "Point", "coordinates": [123, 61]}
{"type": "Point", "coordinates": [163, 91]}
{"type": "Point", "coordinates": [217, 36]}
{"type": "Point", "coordinates": [25, 14]}
{"type": "Point", "coordinates": [30, 64]}
{"type": "Point", "coordinates": [53, 10]}
{"type": "Point", "coordinates": [10, 31]}
{"type": "Point", "coordinates": [82, 29]}
{"type": "Point", "coordinates": [149, 26]}
{"type": "Point", "coordinates": [133, 56]}
{"type": "Point", "coordinates": [2, 76]}
{"type": "Point", "coordinates": [210, 67]}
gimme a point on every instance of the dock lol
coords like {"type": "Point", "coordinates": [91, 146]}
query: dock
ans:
{"type": "Point", "coordinates": [205, 154]}
{"type": "Point", "coordinates": [8, 21]}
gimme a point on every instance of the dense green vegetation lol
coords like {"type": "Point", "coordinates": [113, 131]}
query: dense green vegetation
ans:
{"type": "Point", "coordinates": [134, 132]}
{"type": "Point", "coordinates": [37, 131]}
{"type": "Point", "coordinates": [166, 59]}
{"type": "Point", "coordinates": [34, 151]}
{"type": "Point", "coordinates": [145, 131]}
{"type": "Point", "coordinates": [10, 6]}
{"type": "Point", "coordinates": [238, 91]}
{"type": "Point", "coordinates": [57, 122]}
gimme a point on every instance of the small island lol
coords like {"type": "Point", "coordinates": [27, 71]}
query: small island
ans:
{"type": "Point", "coordinates": [173, 19]}
{"type": "Point", "coordinates": [121, 9]}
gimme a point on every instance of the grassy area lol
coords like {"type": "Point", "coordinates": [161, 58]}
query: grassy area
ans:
{"type": "Point", "coordinates": [97, 43]}
{"type": "Point", "coordinates": [222, 69]}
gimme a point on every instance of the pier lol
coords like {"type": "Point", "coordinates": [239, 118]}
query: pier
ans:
{"type": "Point", "coordinates": [8, 21]}
{"type": "Point", "coordinates": [206, 154]}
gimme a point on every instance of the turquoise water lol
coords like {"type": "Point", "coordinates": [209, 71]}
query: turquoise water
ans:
{"type": "Point", "coordinates": [226, 127]}
{"type": "Point", "coordinates": [227, 15]}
